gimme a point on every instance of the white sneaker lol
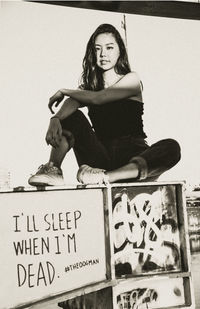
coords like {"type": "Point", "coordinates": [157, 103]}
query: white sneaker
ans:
{"type": "Point", "coordinates": [89, 175]}
{"type": "Point", "coordinates": [47, 175]}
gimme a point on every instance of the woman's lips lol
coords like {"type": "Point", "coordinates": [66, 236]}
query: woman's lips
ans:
{"type": "Point", "coordinates": [104, 61]}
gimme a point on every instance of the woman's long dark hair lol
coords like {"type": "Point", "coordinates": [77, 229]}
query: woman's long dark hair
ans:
{"type": "Point", "coordinates": [92, 77]}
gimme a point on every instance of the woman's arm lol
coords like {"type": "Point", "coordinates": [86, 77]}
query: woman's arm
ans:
{"type": "Point", "coordinates": [69, 107]}
{"type": "Point", "coordinates": [126, 87]}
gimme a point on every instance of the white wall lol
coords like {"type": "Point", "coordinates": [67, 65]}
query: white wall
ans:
{"type": "Point", "coordinates": [41, 50]}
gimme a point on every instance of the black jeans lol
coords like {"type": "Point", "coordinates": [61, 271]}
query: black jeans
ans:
{"type": "Point", "coordinates": [111, 154]}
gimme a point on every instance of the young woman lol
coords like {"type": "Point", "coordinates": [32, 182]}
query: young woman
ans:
{"type": "Point", "coordinates": [114, 147]}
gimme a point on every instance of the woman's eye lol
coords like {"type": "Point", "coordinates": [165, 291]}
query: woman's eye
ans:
{"type": "Point", "coordinates": [109, 47]}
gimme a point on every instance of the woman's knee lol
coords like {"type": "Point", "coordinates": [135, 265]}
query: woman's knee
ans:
{"type": "Point", "coordinates": [72, 119]}
{"type": "Point", "coordinates": [76, 123]}
{"type": "Point", "coordinates": [174, 149]}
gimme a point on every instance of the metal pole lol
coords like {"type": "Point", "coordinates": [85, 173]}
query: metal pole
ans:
{"type": "Point", "coordinates": [125, 30]}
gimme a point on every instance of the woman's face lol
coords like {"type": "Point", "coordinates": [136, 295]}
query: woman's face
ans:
{"type": "Point", "coordinates": [107, 51]}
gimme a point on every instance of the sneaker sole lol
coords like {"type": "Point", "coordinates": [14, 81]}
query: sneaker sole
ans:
{"type": "Point", "coordinates": [48, 182]}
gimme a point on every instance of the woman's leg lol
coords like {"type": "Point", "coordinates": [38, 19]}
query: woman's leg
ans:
{"type": "Point", "coordinates": [58, 154]}
{"type": "Point", "coordinates": [77, 134]}
{"type": "Point", "coordinates": [121, 150]}
{"type": "Point", "coordinates": [150, 163]}
{"type": "Point", "coordinates": [50, 174]}
{"type": "Point", "coordinates": [128, 171]}
{"type": "Point", "coordinates": [160, 157]}
{"type": "Point", "coordinates": [87, 148]}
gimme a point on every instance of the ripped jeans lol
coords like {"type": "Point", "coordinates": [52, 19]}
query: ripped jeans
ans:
{"type": "Point", "coordinates": [152, 160]}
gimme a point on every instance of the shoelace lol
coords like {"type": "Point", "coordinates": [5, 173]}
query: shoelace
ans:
{"type": "Point", "coordinates": [89, 175]}
{"type": "Point", "coordinates": [44, 168]}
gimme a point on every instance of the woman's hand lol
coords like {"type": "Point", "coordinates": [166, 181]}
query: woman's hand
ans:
{"type": "Point", "coordinates": [54, 133]}
{"type": "Point", "coordinates": [56, 99]}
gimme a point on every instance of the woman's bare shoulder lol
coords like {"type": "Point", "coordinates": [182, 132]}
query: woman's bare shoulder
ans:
{"type": "Point", "coordinates": [134, 76]}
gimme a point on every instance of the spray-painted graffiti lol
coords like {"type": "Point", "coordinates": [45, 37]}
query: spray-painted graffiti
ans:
{"type": "Point", "coordinates": [152, 297]}
{"type": "Point", "coordinates": [194, 228]}
{"type": "Point", "coordinates": [137, 298]}
{"type": "Point", "coordinates": [146, 234]}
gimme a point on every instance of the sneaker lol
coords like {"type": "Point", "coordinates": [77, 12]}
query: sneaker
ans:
{"type": "Point", "coordinates": [89, 175]}
{"type": "Point", "coordinates": [47, 175]}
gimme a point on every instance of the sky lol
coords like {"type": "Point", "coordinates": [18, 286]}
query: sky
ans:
{"type": "Point", "coordinates": [42, 47]}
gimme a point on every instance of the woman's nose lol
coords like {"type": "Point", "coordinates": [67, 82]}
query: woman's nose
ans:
{"type": "Point", "coordinates": [103, 52]}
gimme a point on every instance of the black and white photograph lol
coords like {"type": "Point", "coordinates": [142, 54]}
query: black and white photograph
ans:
{"type": "Point", "coordinates": [99, 164]}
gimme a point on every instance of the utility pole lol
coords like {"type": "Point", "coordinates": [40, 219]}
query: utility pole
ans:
{"type": "Point", "coordinates": [125, 30]}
